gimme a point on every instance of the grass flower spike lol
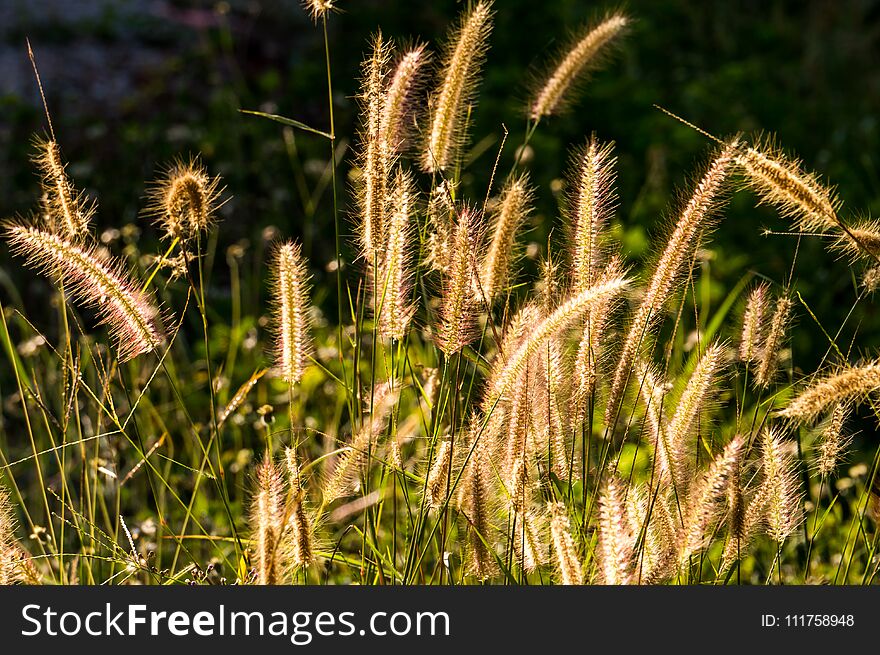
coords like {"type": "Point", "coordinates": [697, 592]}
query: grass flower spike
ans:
{"type": "Point", "coordinates": [290, 298]}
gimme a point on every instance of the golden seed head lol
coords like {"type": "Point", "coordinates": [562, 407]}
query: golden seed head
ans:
{"type": "Point", "coordinates": [291, 308]}
{"type": "Point", "coordinates": [185, 199]}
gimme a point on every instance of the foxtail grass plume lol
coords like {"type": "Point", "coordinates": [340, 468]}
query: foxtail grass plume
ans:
{"type": "Point", "coordinates": [781, 486]}
{"type": "Point", "coordinates": [397, 120]}
{"type": "Point", "coordinates": [779, 181]}
{"type": "Point", "coordinates": [591, 206]}
{"type": "Point", "coordinates": [570, 567]}
{"type": "Point", "coordinates": [754, 323]}
{"type": "Point", "coordinates": [687, 413]}
{"type": "Point", "coordinates": [67, 209]}
{"type": "Point", "coordinates": [616, 541]}
{"type": "Point", "coordinates": [508, 217]}
{"type": "Point", "coordinates": [16, 565]}
{"type": "Point", "coordinates": [302, 552]}
{"type": "Point", "coordinates": [475, 501]}
{"type": "Point", "coordinates": [653, 392]}
{"type": "Point", "coordinates": [458, 305]}
{"type": "Point", "coordinates": [860, 240]}
{"type": "Point", "coordinates": [93, 280]}
{"type": "Point", "coordinates": [373, 156]}
{"type": "Point", "coordinates": [184, 199]}
{"type": "Point", "coordinates": [438, 483]}
{"type": "Point", "coordinates": [585, 55]}
{"type": "Point", "coordinates": [560, 319]}
{"type": "Point", "coordinates": [770, 349]}
{"type": "Point", "coordinates": [440, 214]}
{"type": "Point", "coordinates": [267, 522]}
{"type": "Point", "coordinates": [453, 100]}
{"type": "Point", "coordinates": [355, 458]}
{"type": "Point", "coordinates": [695, 220]}
{"type": "Point", "coordinates": [705, 498]}
{"type": "Point", "coordinates": [290, 300]}
{"type": "Point", "coordinates": [395, 306]}
{"type": "Point", "coordinates": [592, 350]}
{"type": "Point", "coordinates": [833, 442]}
{"type": "Point", "coordinates": [318, 9]}
{"type": "Point", "coordinates": [851, 384]}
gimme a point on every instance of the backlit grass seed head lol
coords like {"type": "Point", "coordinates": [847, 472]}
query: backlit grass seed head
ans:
{"type": "Point", "coordinates": [455, 97]}
{"type": "Point", "coordinates": [93, 280]}
{"type": "Point", "coordinates": [616, 540]}
{"type": "Point", "coordinates": [653, 391]}
{"type": "Point", "coordinates": [440, 212]}
{"type": "Point", "coordinates": [67, 209]}
{"type": "Point", "coordinates": [833, 442]}
{"type": "Point", "coordinates": [374, 156]}
{"type": "Point", "coordinates": [438, 483]}
{"type": "Point", "coordinates": [584, 56]}
{"type": "Point", "coordinates": [705, 500]}
{"type": "Point", "coordinates": [397, 121]}
{"type": "Point", "coordinates": [776, 336]}
{"type": "Point", "coordinates": [508, 217]}
{"type": "Point", "coordinates": [865, 237]}
{"type": "Point", "coordinates": [558, 320]}
{"type": "Point", "coordinates": [290, 300]}
{"type": "Point", "coordinates": [318, 9]}
{"type": "Point", "coordinates": [267, 522]}
{"type": "Point", "coordinates": [476, 502]}
{"type": "Point", "coordinates": [852, 384]}
{"type": "Point", "coordinates": [15, 564]}
{"type": "Point", "coordinates": [592, 351]}
{"type": "Point", "coordinates": [564, 550]}
{"type": "Point", "coordinates": [687, 413]}
{"type": "Point", "coordinates": [781, 485]}
{"type": "Point", "coordinates": [754, 325]}
{"type": "Point", "coordinates": [394, 304]}
{"type": "Point", "coordinates": [694, 221]}
{"type": "Point", "coordinates": [779, 181]}
{"type": "Point", "coordinates": [458, 305]}
{"type": "Point", "coordinates": [185, 199]}
{"type": "Point", "coordinates": [591, 206]}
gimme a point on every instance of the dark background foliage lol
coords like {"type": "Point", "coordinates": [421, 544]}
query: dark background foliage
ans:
{"type": "Point", "coordinates": [133, 84]}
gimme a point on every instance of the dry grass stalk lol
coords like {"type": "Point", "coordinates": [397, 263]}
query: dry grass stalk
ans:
{"type": "Point", "coordinates": [239, 397]}
{"type": "Point", "coordinates": [695, 220]}
{"type": "Point", "coordinates": [290, 299]}
{"type": "Point", "coordinates": [849, 385]}
{"type": "Point", "coordinates": [585, 55]}
{"type": "Point", "coordinates": [93, 280]}
{"type": "Point", "coordinates": [455, 97]}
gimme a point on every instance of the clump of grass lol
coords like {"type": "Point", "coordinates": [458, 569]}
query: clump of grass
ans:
{"type": "Point", "coordinates": [466, 421]}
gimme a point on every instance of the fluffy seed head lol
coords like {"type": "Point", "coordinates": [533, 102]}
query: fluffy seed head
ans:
{"type": "Point", "coordinates": [439, 475]}
{"type": "Point", "coordinates": [394, 305]}
{"type": "Point", "coordinates": [455, 97]}
{"type": "Point", "coordinates": [184, 199]}
{"type": "Point", "coordinates": [779, 181]}
{"type": "Point", "coordinates": [754, 324]}
{"type": "Point", "coordinates": [570, 568]}
{"type": "Point", "coordinates": [849, 385]}
{"type": "Point", "coordinates": [95, 281]}
{"type": "Point", "coordinates": [511, 212]}
{"type": "Point", "coordinates": [584, 56]}
{"type": "Point", "coordinates": [776, 335]}
{"type": "Point", "coordinates": [67, 209]}
{"type": "Point", "coordinates": [318, 9]}
{"type": "Point", "coordinates": [694, 221]}
{"type": "Point", "coordinates": [397, 119]}
{"type": "Point", "coordinates": [267, 522]}
{"type": "Point", "coordinates": [781, 486]}
{"type": "Point", "coordinates": [616, 541]}
{"type": "Point", "coordinates": [290, 299]}
{"type": "Point", "coordinates": [458, 309]}
{"type": "Point", "coordinates": [591, 206]}
{"type": "Point", "coordinates": [834, 442]}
